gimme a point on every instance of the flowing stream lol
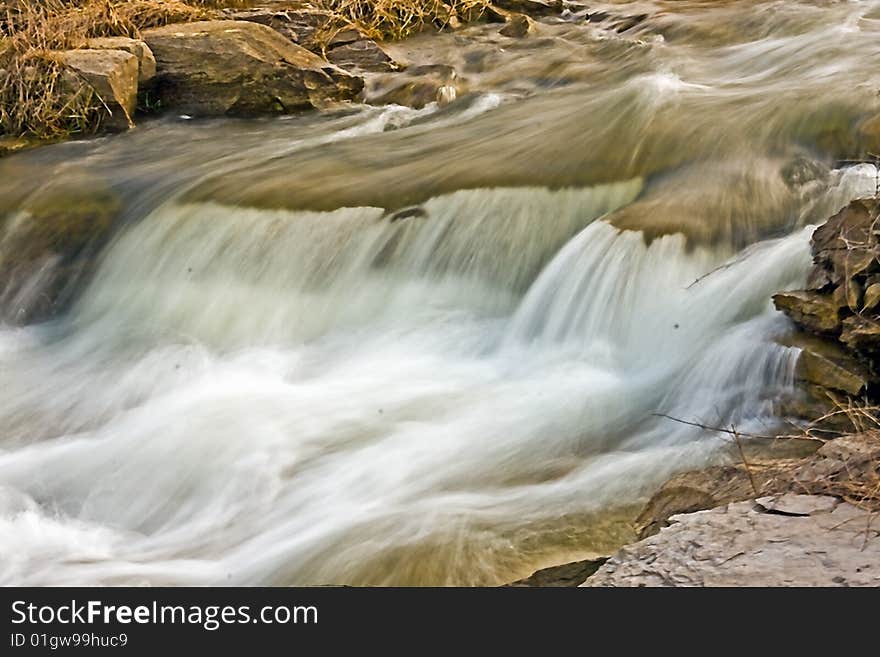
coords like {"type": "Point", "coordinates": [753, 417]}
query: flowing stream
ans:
{"type": "Point", "coordinates": [383, 345]}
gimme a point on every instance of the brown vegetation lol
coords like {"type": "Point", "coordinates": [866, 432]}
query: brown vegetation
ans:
{"type": "Point", "coordinates": [395, 19]}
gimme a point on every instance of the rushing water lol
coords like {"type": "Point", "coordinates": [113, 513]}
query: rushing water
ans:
{"type": "Point", "coordinates": [385, 345]}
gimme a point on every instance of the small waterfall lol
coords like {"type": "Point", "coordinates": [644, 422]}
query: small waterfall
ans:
{"type": "Point", "coordinates": [397, 346]}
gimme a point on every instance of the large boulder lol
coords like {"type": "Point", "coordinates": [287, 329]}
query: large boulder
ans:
{"type": "Point", "coordinates": [792, 540]}
{"type": "Point", "coordinates": [212, 68]}
{"type": "Point", "coordinates": [113, 74]}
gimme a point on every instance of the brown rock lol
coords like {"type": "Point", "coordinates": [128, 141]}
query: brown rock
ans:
{"type": "Point", "coordinates": [362, 55]}
{"type": "Point", "coordinates": [146, 61]}
{"type": "Point", "coordinates": [698, 490]}
{"type": "Point", "coordinates": [843, 245]}
{"type": "Point", "coordinates": [309, 28]}
{"type": "Point", "coordinates": [569, 574]}
{"type": "Point", "coordinates": [113, 74]}
{"type": "Point", "coordinates": [861, 334]}
{"type": "Point", "coordinates": [517, 26]}
{"type": "Point", "coordinates": [872, 297]}
{"type": "Point", "coordinates": [810, 310]}
{"type": "Point", "coordinates": [241, 68]}
{"type": "Point", "coordinates": [830, 368]}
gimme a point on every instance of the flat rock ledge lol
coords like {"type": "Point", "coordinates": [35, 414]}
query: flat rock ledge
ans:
{"type": "Point", "coordinates": [786, 540]}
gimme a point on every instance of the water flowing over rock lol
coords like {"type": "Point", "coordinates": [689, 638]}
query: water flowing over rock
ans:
{"type": "Point", "coordinates": [238, 67]}
{"type": "Point", "coordinates": [435, 340]}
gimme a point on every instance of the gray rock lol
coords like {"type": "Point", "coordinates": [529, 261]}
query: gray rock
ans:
{"type": "Point", "coordinates": [742, 544]}
{"type": "Point", "coordinates": [791, 504]}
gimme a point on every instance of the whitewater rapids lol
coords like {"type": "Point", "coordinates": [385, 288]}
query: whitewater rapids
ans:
{"type": "Point", "coordinates": [456, 393]}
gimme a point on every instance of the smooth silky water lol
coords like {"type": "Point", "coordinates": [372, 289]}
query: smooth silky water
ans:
{"type": "Point", "coordinates": [395, 346]}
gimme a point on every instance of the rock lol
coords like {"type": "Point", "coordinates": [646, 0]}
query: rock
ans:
{"type": "Point", "coordinates": [49, 250]}
{"type": "Point", "coordinates": [321, 32]}
{"type": "Point", "coordinates": [840, 467]}
{"type": "Point", "coordinates": [569, 574]}
{"type": "Point", "coordinates": [812, 311]}
{"type": "Point", "coordinates": [517, 26]}
{"type": "Point", "coordinates": [213, 68]}
{"type": "Point", "coordinates": [699, 490]}
{"type": "Point", "coordinates": [790, 504]}
{"type": "Point", "coordinates": [146, 61]}
{"type": "Point", "coordinates": [532, 7]}
{"type": "Point", "coordinates": [113, 74]}
{"type": "Point", "coordinates": [843, 245]}
{"type": "Point", "coordinates": [362, 55]}
{"type": "Point", "coordinates": [846, 467]}
{"type": "Point", "coordinates": [827, 365]}
{"type": "Point", "coordinates": [861, 334]}
{"type": "Point", "coordinates": [744, 544]}
{"type": "Point", "coordinates": [868, 132]}
{"type": "Point", "coordinates": [419, 86]}
{"type": "Point", "coordinates": [872, 297]}
{"type": "Point", "coordinates": [306, 27]}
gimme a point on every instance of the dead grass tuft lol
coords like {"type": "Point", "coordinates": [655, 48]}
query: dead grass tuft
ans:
{"type": "Point", "coordinates": [396, 19]}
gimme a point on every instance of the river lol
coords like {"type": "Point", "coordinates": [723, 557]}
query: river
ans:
{"type": "Point", "coordinates": [384, 345]}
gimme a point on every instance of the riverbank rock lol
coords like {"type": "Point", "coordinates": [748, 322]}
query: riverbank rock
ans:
{"type": "Point", "coordinates": [840, 305]}
{"type": "Point", "coordinates": [568, 574]}
{"type": "Point", "coordinates": [847, 467]}
{"type": "Point", "coordinates": [113, 74]}
{"type": "Point", "coordinates": [323, 34]}
{"type": "Point", "coordinates": [789, 540]}
{"type": "Point", "coordinates": [146, 60]}
{"type": "Point", "coordinates": [213, 68]}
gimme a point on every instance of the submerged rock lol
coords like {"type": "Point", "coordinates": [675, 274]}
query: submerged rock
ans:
{"type": "Point", "coordinates": [214, 68]}
{"type": "Point", "coordinates": [48, 249]}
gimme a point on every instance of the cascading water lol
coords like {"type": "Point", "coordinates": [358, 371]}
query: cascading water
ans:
{"type": "Point", "coordinates": [458, 387]}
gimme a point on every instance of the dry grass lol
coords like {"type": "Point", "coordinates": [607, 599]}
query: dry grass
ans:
{"type": "Point", "coordinates": [396, 19]}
